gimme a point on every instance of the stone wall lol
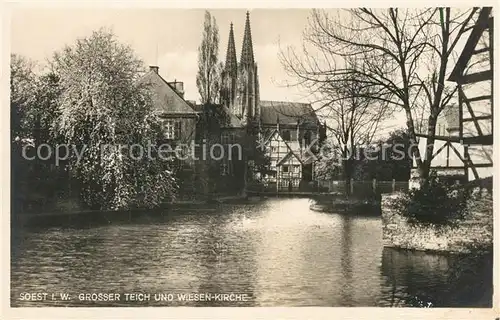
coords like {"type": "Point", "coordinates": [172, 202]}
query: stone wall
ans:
{"type": "Point", "coordinates": [475, 232]}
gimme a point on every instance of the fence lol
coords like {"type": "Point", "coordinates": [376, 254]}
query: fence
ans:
{"type": "Point", "coordinates": [365, 187]}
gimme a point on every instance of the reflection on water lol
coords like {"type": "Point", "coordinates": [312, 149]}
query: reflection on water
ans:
{"type": "Point", "coordinates": [421, 279]}
{"type": "Point", "coordinates": [278, 253]}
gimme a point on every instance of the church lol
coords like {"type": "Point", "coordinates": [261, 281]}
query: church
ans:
{"type": "Point", "coordinates": [288, 132]}
{"type": "Point", "coordinates": [285, 134]}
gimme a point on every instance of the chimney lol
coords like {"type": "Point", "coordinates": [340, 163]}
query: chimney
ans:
{"type": "Point", "coordinates": [178, 86]}
{"type": "Point", "coordinates": [154, 69]}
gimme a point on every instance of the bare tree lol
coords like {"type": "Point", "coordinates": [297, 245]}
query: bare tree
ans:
{"type": "Point", "coordinates": [406, 53]}
{"type": "Point", "coordinates": [354, 118]}
{"type": "Point", "coordinates": [208, 79]}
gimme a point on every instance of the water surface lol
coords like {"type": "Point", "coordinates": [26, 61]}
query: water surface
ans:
{"type": "Point", "coordinates": [276, 252]}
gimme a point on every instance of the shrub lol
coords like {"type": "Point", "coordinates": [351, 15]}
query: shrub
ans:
{"type": "Point", "coordinates": [434, 204]}
{"type": "Point", "coordinates": [255, 186]}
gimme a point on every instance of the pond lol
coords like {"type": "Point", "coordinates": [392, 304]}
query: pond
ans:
{"type": "Point", "coordinates": [276, 252]}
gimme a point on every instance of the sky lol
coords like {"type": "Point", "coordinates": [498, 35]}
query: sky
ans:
{"type": "Point", "coordinates": [168, 38]}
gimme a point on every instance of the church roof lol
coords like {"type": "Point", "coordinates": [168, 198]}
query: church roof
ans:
{"type": "Point", "coordinates": [287, 112]}
{"type": "Point", "coordinates": [166, 100]}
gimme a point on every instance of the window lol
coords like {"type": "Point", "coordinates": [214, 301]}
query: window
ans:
{"type": "Point", "coordinates": [274, 149]}
{"type": "Point", "coordinates": [224, 169]}
{"type": "Point", "coordinates": [286, 135]}
{"type": "Point", "coordinates": [296, 169]}
{"type": "Point", "coordinates": [172, 129]}
{"type": "Point", "coordinates": [307, 138]}
{"type": "Point", "coordinates": [227, 137]}
{"type": "Point", "coordinates": [285, 168]}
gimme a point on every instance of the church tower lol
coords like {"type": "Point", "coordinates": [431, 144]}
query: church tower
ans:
{"type": "Point", "coordinates": [241, 85]}
{"type": "Point", "coordinates": [230, 74]}
{"type": "Point", "coordinates": [249, 90]}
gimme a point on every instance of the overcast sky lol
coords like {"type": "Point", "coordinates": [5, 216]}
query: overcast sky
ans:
{"type": "Point", "coordinates": [169, 38]}
{"type": "Point", "coordinates": [176, 33]}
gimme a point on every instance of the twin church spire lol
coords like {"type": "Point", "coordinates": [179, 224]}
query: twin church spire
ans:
{"type": "Point", "coordinates": [247, 57]}
{"type": "Point", "coordinates": [231, 62]}
{"type": "Point", "coordinates": [247, 49]}
{"type": "Point", "coordinates": [241, 87]}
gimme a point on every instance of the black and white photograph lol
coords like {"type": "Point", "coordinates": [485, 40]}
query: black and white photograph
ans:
{"type": "Point", "coordinates": [251, 157]}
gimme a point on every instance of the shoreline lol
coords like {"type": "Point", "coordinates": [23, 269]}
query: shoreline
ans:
{"type": "Point", "coordinates": [60, 217]}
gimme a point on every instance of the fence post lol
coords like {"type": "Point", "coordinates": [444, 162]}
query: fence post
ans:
{"type": "Point", "coordinates": [393, 185]}
{"type": "Point", "coordinates": [277, 181]}
{"type": "Point", "coordinates": [374, 185]}
{"type": "Point", "coordinates": [352, 186]}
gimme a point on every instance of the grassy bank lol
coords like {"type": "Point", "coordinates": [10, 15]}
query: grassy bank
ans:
{"type": "Point", "coordinates": [473, 233]}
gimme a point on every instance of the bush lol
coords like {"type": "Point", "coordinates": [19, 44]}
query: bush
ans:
{"type": "Point", "coordinates": [255, 186]}
{"type": "Point", "coordinates": [434, 204]}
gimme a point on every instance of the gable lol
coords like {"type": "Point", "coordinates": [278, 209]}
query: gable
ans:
{"type": "Point", "coordinates": [288, 113]}
{"type": "Point", "coordinates": [270, 135]}
{"type": "Point", "coordinates": [165, 99]}
{"type": "Point", "coordinates": [289, 158]}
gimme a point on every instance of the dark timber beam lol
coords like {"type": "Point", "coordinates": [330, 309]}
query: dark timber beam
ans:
{"type": "Point", "coordinates": [440, 149]}
{"type": "Point", "coordinates": [478, 118]}
{"type": "Point", "coordinates": [486, 140]}
{"type": "Point", "coordinates": [484, 21]}
{"type": "Point", "coordinates": [471, 112]}
{"type": "Point", "coordinates": [478, 51]}
{"type": "Point", "coordinates": [479, 98]}
{"type": "Point", "coordinates": [477, 77]}
{"type": "Point", "coordinates": [466, 160]}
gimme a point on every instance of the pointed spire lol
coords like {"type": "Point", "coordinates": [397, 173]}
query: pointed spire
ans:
{"type": "Point", "coordinates": [231, 62]}
{"type": "Point", "coordinates": [247, 50]}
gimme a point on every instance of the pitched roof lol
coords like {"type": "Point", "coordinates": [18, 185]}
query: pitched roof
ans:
{"type": "Point", "coordinates": [292, 146]}
{"type": "Point", "coordinates": [197, 107]}
{"type": "Point", "coordinates": [287, 112]}
{"type": "Point", "coordinates": [166, 99]}
{"type": "Point", "coordinates": [286, 157]}
{"type": "Point", "coordinates": [267, 135]}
